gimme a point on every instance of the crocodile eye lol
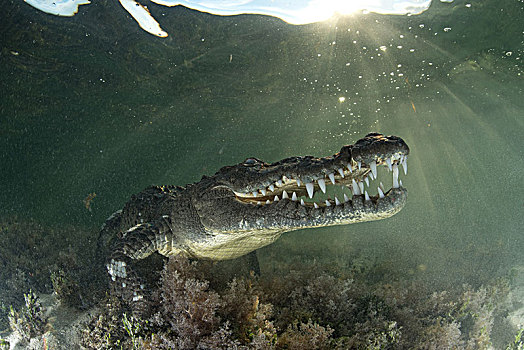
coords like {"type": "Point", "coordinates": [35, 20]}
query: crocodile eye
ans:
{"type": "Point", "coordinates": [250, 161]}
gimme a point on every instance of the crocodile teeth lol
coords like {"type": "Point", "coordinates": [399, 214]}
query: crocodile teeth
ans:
{"type": "Point", "coordinates": [380, 193]}
{"type": "Point", "coordinates": [298, 181]}
{"type": "Point", "coordinates": [354, 187]}
{"type": "Point", "coordinates": [284, 195]}
{"type": "Point", "coordinates": [381, 186]}
{"type": "Point", "coordinates": [349, 167]}
{"type": "Point", "coordinates": [279, 183]}
{"type": "Point", "coordinates": [271, 188]}
{"type": "Point", "coordinates": [341, 172]}
{"type": "Point", "coordinates": [322, 185]}
{"type": "Point", "coordinates": [337, 202]}
{"type": "Point", "coordinates": [294, 196]}
{"type": "Point", "coordinates": [359, 165]}
{"type": "Point", "coordinates": [361, 187]}
{"type": "Point", "coordinates": [268, 202]}
{"type": "Point", "coordinates": [373, 166]}
{"type": "Point", "coordinates": [302, 201]}
{"type": "Point", "coordinates": [327, 203]}
{"type": "Point", "coordinates": [405, 165]}
{"type": "Point", "coordinates": [366, 195]}
{"type": "Point", "coordinates": [346, 199]}
{"type": "Point", "coordinates": [395, 176]}
{"type": "Point", "coordinates": [276, 199]}
{"type": "Point", "coordinates": [366, 180]}
{"type": "Point", "coordinates": [388, 162]}
{"type": "Point", "coordinates": [315, 205]}
{"type": "Point", "coordinates": [332, 178]}
{"type": "Point", "coordinates": [309, 188]}
{"type": "Point", "coordinates": [263, 191]}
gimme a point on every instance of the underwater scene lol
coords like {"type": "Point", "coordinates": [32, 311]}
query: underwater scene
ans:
{"type": "Point", "coordinates": [234, 174]}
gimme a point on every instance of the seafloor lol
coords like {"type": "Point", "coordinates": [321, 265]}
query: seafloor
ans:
{"type": "Point", "coordinates": [299, 304]}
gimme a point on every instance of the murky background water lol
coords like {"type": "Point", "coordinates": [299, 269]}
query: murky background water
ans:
{"type": "Point", "coordinates": [93, 104]}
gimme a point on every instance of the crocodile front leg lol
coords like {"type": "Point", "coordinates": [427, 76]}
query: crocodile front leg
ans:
{"type": "Point", "coordinates": [137, 243]}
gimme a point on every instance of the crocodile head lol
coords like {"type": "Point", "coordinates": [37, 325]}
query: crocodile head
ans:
{"type": "Point", "coordinates": [254, 202]}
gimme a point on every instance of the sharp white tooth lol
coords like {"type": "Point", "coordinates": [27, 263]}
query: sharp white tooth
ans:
{"type": "Point", "coordinates": [355, 188]}
{"type": "Point", "coordinates": [337, 202]}
{"type": "Point", "coordinates": [259, 203]}
{"type": "Point", "coordinates": [271, 187]}
{"type": "Point", "coordinates": [405, 165]}
{"type": "Point", "coordinates": [346, 199]}
{"type": "Point", "coordinates": [309, 188]}
{"type": "Point", "coordinates": [284, 178]}
{"type": "Point", "coordinates": [380, 193]}
{"type": "Point", "coordinates": [284, 195]}
{"type": "Point", "coordinates": [298, 181]}
{"type": "Point", "coordinates": [381, 185]}
{"type": "Point", "coordinates": [276, 199]}
{"type": "Point", "coordinates": [395, 176]}
{"type": "Point", "coordinates": [322, 185]}
{"type": "Point", "coordinates": [388, 162]}
{"type": "Point", "coordinates": [315, 205]}
{"type": "Point", "coordinates": [327, 203]}
{"type": "Point", "coordinates": [263, 191]}
{"type": "Point", "coordinates": [254, 193]}
{"type": "Point", "coordinates": [373, 166]}
{"type": "Point", "coordinates": [361, 187]}
{"type": "Point", "coordinates": [279, 183]}
{"type": "Point", "coordinates": [268, 202]}
{"type": "Point", "coordinates": [332, 178]}
{"type": "Point", "coordinates": [400, 181]}
{"type": "Point", "coordinates": [349, 167]}
{"type": "Point", "coordinates": [366, 195]}
{"type": "Point", "coordinates": [294, 196]}
{"type": "Point", "coordinates": [366, 180]}
{"type": "Point", "coordinates": [341, 172]}
{"type": "Point", "coordinates": [302, 201]}
{"type": "Point", "coordinates": [359, 165]}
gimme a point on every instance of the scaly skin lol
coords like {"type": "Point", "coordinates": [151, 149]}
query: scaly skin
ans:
{"type": "Point", "coordinates": [249, 205]}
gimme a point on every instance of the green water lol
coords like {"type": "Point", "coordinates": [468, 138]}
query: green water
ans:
{"type": "Point", "coordinates": [93, 104]}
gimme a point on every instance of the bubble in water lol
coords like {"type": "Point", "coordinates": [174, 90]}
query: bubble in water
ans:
{"type": "Point", "coordinates": [447, 29]}
{"type": "Point", "coordinates": [509, 53]}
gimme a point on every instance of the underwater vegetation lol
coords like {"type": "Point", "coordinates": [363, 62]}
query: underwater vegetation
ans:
{"type": "Point", "coordinates": [203, 305]}
{"type": "Point", "coordinates": [304, 309]}
{"type": "Point", "coordinates": [30, 320]}
{"type": "Point", "coordinates": [47, 260]}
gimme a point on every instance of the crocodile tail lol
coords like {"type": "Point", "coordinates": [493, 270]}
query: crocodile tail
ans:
{"type": "Point", "coordinates": [108, 232]}
{"type": "Point", "coordinates": [125, 283]}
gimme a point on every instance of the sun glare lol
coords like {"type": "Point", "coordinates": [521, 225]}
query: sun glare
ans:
{"type": "Point", "coordinates": [320, 10]}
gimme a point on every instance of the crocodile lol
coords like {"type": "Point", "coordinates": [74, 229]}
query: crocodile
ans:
{"type": "Point", "coordinates": [250, 205]}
